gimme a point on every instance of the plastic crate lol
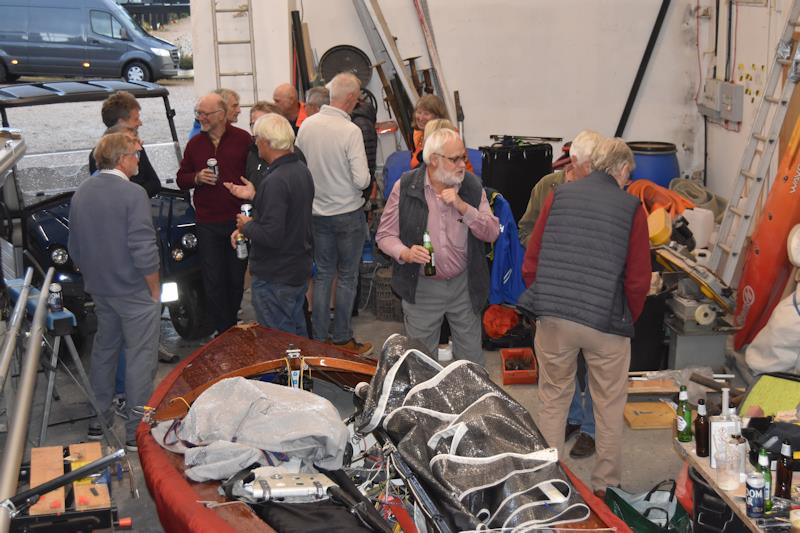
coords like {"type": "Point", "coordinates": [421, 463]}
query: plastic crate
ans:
{"type": "Point", "coordinates": [527, 376]}
{"type": "Point", "coordinates": [388, 306]}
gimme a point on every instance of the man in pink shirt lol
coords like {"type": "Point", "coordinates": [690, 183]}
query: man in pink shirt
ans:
{"type": "Point", "coordinates": [440, 197]}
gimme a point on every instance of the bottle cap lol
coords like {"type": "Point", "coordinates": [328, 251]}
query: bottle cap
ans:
{"type": "Point", "coordinates": [683, 395]}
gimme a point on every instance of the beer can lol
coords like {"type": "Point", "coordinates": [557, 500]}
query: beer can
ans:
{"type": "Point", "coordinates": [754, 494]}
{"type": "Point", "coordinates": [247, 210]}
{"type": "Point", "coordinates": [213, 166]}
{"type": "Point", "coordinates": [54, 300]}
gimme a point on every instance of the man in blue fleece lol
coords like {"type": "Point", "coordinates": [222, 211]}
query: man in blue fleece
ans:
{"type": "Point", "coordinates": [114, 245]}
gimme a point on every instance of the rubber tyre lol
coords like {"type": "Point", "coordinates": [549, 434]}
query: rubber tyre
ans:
{"type": "Point", "coordinates": [188, 316]}
{"type": "Point", "coordinates": [3, 73]}
{"type": "Point", "coordinates": [136, 71]}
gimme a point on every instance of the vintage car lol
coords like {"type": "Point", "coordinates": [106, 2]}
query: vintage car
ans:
{"type": "Point", "coordinates": [36, 194]}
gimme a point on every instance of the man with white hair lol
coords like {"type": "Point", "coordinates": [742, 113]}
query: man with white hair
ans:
{"type": "Point", "coordinates": [587, 268]}
{"type": "Point", "coordinates": [580, 153]}
{"type": "Point", "coordinates": [337, 160]}
{"type": "Point", "coordinates": [280, 230]}
{"type": "Point", "coordinates": [316, 97]}
{"type": "Point", "coordinates": [449, 203]}
{"type": "Point", "coordinates": [580, 420]}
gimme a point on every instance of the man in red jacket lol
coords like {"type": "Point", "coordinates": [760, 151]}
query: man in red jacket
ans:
{"type": "Point", "coordinates": [216, 207]}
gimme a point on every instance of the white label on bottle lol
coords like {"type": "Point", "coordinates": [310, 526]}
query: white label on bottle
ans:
{"type": "Point", "coordinates": [681, 423]}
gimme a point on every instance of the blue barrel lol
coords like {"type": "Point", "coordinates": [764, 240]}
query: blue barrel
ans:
{"type": "Point", "coordinates": [655, 161]}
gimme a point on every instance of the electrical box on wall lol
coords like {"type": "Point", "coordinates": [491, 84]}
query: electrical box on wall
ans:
{"type": "Point", "coordinates": [722, 100]}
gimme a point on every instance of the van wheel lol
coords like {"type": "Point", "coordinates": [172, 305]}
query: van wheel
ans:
{"type": "Point", "coordinates": [136, 71]}
{"type": "Point", "coordinates": [188, 315]}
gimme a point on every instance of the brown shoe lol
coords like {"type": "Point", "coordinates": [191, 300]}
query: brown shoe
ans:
{"type": "Point", "coordinates": [584, 447]}
{"type": "Point", "coordinates": [360, 348]}
{"type": "Point", "coordinates": [571, 430]}
{"type": "Point", "coordinates": [600, 493]}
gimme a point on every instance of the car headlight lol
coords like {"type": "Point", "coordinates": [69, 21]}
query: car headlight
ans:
{"type": "Point", "coordinates": [59, 256]}
{"type": "Point", "coordinates": [177, 255]}
{"type": "Point", "coordinates": [189, 241]}
{"type": "Point", "coordinates": [163, 52]}
{"type": "Point", "coordinates": [169, 292]}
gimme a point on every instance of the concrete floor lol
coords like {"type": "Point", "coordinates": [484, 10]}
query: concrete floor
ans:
{"type": "Point", "coordinates": [648, 454]}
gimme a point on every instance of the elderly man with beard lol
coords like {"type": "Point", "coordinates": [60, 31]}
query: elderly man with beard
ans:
{"type": "Point", "coordinates": [450, 204]}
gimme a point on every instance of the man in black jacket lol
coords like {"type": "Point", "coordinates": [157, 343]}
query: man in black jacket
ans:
{"type": "Point", "coordinates": [122, 109]}
{"type": "Point", "coordinates": [280, 229]}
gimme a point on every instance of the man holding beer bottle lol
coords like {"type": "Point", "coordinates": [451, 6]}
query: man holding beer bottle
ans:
{"type": "Point", "coordinates": [215, 156]}
{"type": "Point", "coordinates": [449, 204]}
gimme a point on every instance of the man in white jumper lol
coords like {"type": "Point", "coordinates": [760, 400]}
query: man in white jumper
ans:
{"type": "Point", "coordinates": [335, 155]}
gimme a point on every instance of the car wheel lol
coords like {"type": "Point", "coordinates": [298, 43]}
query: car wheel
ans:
{"type": "Point", "coordinates": [4, 76]}
{"type": "Point", "coordinates": [188, 315]}
{"type": "Point", "coordinates": [136, 71]}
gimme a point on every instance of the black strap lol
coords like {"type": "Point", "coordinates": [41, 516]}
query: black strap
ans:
{"type": "Point", "coordinates": [658, 488]}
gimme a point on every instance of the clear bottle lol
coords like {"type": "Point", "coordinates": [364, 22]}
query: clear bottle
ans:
{"type": "Point", "coordinates": [783, 477]}
{"type": "Point", "coordinates": [763, 465]}
{"type": "Point", "coordinates": [241, 247]}
{"type": "Point", "coordinates": [701, 430]}
{"type": "Point", "coordinates": [430, 266]}
{"type": "Point", "coordinates": [683, 417]}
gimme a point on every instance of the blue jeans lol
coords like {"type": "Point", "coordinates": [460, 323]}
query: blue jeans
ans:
{"type": "Point", "coordinates": [279, 306]}
{"type": "Point", "coordinates": [581, 410]}
{"type": "Point", "coordinates": [119, 379]}
{"type": "Point", "coordinates": [338, 243]}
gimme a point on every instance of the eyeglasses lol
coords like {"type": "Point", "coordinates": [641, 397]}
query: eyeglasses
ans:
{"type": "Point", "coordinates": [203, 114]}
{"type": "Point", "coordinates": [136, 154]}
{"type": "Point", "coordinates": [455, 160]}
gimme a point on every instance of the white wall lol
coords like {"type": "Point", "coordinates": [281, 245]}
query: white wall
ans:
{"type": "Point", "coordinates": [544, 67]}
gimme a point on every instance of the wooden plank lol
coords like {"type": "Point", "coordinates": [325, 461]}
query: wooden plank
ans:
{"type": "Point", "coordinates": [309, 53]}
{"type": "Point", "coordinates": [653, 386]}
{"type": "Point", "coordinates": [87, 494]}
{"type": "Point", "coordinates": [649, 415]}
{"type": "Point", "coordinates": [47, 463]}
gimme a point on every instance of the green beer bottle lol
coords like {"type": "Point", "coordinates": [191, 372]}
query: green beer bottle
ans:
{"type": "Point", "coordinates": [763, 465]}
{"type": "Point", "coordinates": [683, 416]}
{"type": "Point", "coordinates": [430, 266]}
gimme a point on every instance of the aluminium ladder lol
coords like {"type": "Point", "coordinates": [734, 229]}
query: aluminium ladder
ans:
{"type": "Point", "coordinates": [758, 153]}
{"type": "Point", "coordinates": [245, 9]}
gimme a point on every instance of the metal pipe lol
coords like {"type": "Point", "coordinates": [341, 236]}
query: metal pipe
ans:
{"type": "Point", "coordinates": [17, 433]}
{"type": "Point", "coordinates": [651, 43]}
{"type": "Point", "coordinates": [10, 342]}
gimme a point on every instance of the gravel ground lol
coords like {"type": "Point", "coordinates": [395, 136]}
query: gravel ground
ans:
{"type": "Point", "coordinates": [62, 127]}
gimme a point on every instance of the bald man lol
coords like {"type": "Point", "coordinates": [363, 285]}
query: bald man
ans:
{"type": "Point", "coordinates": [285, 98]}
{"type": "Point", "coordinates": [215, 206]}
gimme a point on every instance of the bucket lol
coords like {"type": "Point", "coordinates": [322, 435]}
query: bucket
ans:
{"type": "Point", "coordinates": [701, 222]}
{"type": "Point", "coordinates": [655, 161]}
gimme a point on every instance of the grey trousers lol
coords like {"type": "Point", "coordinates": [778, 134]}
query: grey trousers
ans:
{"type": "Point", "coordinates": [130, 323]}
{"type": "Point", "coordinates": [436, 299]}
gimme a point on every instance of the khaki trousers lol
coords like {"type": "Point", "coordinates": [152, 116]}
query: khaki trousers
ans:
{"type": "Point", "coordinates": [557, 344]}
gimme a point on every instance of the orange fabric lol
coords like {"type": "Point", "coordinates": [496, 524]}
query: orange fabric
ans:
{"type": "Point", "coordinates": [654, 196]}
{"type": "Point", "coordinates": [418, 149]}
{"type": "Point", "coordinates": [301, 115]}
{"type": "Point", "coordinates": [498, 320]}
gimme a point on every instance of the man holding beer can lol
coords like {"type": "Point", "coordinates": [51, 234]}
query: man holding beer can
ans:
{"type": "Point", "coordinates": [280, 228]}
{"type": "Point", "coordinates": [214, 157]}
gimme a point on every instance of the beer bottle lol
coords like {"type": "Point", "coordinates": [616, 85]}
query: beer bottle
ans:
{"type": "Point", "coordinates": [763, 465]}
{"type": "Point", "coordinates": [683, 417]}
{"type": "Point", "coordinates": [701, 430]}
{"type": "Point", "coordinates": [430, 266]}
{"type": "Point", "coordinates": [783, 477]}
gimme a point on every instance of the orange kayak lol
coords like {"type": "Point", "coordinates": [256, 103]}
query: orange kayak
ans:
{"type": "Point", "coordinates": [767, 269]}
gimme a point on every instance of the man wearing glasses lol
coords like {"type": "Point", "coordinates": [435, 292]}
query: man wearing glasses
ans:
{"type": "Point", "coordinates": [119, 262]}
{"type": "Point", "coordinates": [448, 203]}
{"type": "Point", "coordinates": [216, 208]}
